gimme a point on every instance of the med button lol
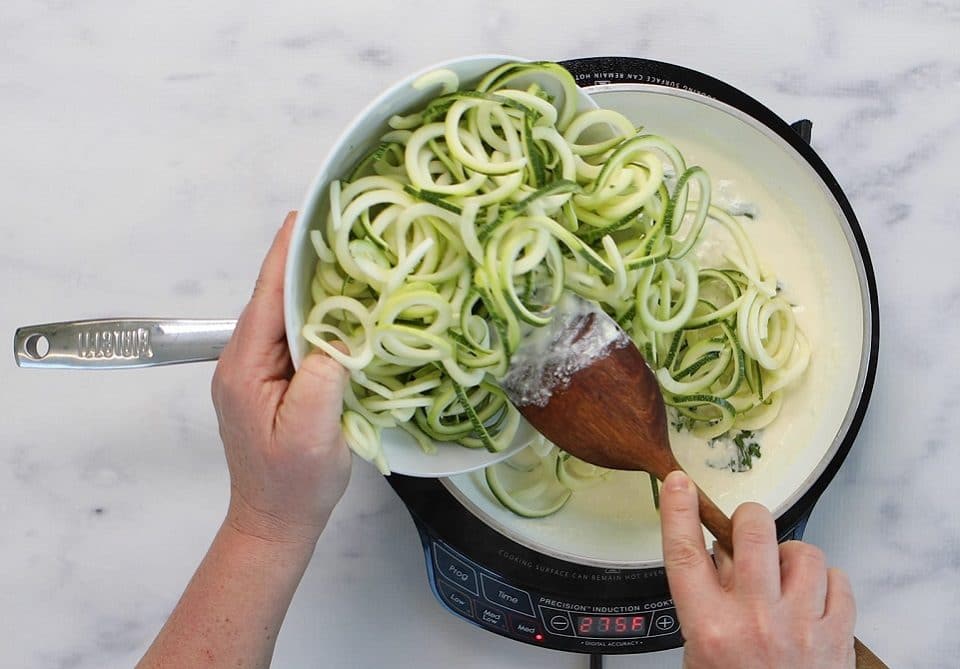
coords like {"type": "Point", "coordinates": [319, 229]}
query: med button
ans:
{"type": "Point", "coordinates": [523, 628]}
{"type": "Point", "coordinates": [455, 570]}
{"type": "Point", "coordinates": [506, 596]}
{"type": "Point", "coordinates": [456, 600]}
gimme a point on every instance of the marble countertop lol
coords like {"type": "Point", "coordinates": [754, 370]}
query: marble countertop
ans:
{"type": "Point", "coordinates": [148, 151]}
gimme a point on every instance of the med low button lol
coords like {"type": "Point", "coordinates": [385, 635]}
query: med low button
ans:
{"type": "Point", "coordinates": [491, 617]}
{"type": "Point", "coordinates": [455, 570]}
{"type": "Point", "coordinates": [506, 596]}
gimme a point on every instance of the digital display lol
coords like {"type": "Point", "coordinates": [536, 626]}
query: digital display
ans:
{"type": "Point", "coordinates": [604, 626]}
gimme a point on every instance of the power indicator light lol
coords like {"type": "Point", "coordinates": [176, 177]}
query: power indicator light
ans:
{"type": "Point", "coordinates": [538, 636]}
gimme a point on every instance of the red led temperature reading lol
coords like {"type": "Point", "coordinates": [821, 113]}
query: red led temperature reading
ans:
{"type": "Point", "coordinates": [611, 625]}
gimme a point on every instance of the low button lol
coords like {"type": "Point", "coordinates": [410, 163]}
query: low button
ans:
{"type": "Point", "coordinates": [506, 596]}
{"type": "Point", "coordinates": [492, 618]}
{"type": "Point", "coordinates": [455, 570]}
{"type": "Point", "coordinates": [456, 600]}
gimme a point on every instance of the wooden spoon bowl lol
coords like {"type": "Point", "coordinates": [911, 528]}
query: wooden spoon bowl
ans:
{"type": "Point", "coordinates": [609, 411]}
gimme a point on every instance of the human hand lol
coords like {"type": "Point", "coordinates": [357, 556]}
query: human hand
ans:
{"type": "Point", "coordinates": [767, 606]}
{"type": "Point", "coordinates": [288, 462]}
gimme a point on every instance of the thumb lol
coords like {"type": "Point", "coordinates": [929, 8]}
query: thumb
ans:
{"type": "Point", "coordinates": [309, 413]}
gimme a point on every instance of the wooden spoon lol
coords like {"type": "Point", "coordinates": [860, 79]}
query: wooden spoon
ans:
{"type": "Point", "coordinates": [582, 383]}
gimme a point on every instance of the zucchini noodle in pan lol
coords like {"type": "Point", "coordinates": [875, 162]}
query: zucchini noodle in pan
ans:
{"type": "Point", "coordinates": [468, 222]}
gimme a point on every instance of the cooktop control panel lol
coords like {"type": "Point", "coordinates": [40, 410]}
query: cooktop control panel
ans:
{"type": "Point", "coordinates": [489, 600]}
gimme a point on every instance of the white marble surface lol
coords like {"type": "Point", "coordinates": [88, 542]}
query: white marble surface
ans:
{"type": "Point", "coordinates": [149, 150]}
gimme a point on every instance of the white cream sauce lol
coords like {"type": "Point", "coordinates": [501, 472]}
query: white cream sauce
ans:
{"type": "Point", "coordinates": [616, 522]}
{"type": "Point", "coordinates": [784, 254]}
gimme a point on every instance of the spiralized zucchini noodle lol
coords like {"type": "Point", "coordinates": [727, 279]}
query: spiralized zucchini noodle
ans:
{"type": "Point", "coordinates": [468, 221]}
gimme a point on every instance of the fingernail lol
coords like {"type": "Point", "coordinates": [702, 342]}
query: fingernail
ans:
{"type": "Point", "coordinates": [677, 482]}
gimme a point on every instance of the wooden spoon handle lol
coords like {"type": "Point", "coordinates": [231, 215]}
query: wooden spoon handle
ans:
{"type": "Point", "coordinates": [865, 657]}
{"type": "Point", "coordinates": [716, 521]}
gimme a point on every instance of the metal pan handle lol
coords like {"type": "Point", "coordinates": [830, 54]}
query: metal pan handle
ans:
{"type": "Point", "coordinates": [120, 343]}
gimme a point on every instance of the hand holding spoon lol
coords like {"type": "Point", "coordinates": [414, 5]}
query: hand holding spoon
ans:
{"type": "Point", "coordinates": [582, 383]}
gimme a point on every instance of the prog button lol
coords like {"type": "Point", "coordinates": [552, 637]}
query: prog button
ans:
{"type": "Point", "coordinates": [455, 570]}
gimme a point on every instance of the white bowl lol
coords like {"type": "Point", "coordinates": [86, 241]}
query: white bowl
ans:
{"type": "Point", "coordinates": [361, 136]}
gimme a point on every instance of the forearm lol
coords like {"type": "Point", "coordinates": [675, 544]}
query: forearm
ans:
{"type": "Point", "coordinates": [231, 611]}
